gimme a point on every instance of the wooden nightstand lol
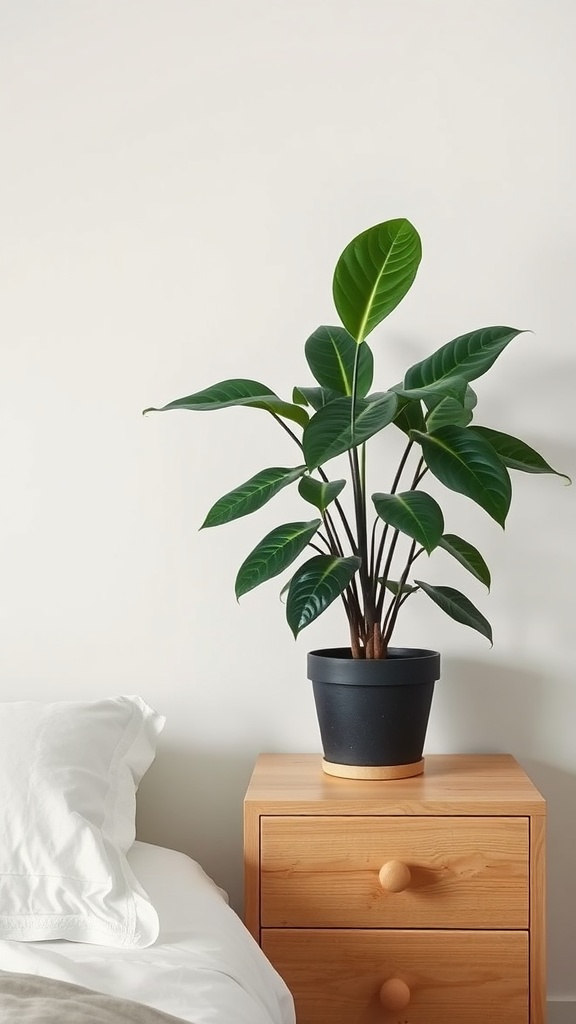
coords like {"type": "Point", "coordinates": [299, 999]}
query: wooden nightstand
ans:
{"type": "Point", "coordinates": [419, 901]}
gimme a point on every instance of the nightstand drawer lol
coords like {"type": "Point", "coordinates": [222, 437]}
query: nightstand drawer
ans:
{"type": "Point", "coordinates": [391, 872]}
{"type": "Point", "coordinates": [464, 977]}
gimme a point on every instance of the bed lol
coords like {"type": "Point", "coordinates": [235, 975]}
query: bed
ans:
{"type": "Point", "coordinates": [96, 927]}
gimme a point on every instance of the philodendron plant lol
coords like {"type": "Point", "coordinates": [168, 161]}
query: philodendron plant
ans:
{"type": "Point", "coordinates": [365, 548]}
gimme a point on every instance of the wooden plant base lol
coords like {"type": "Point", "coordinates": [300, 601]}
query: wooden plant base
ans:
{"type": "Point", "coordinates": [375, 772]}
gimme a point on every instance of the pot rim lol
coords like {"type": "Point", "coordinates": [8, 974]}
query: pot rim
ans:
{"type": "Point", "coordinates": [404, 666]}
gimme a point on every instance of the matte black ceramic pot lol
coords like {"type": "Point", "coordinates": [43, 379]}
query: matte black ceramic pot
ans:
{"type": "Point", "coordinates": [373, 715]}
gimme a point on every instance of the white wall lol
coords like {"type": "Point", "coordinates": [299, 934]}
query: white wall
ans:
{"type": "Point", "coordinates": [178, 179]}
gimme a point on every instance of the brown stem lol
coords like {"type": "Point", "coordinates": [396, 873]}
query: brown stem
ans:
{"type": "Point", "coordinates": [379, 646]}
{"type": "Point", "coordinates": [355, 644]}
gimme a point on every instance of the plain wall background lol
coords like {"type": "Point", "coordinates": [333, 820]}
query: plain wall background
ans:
{"type": "Point", "coordinates": [178, 180]}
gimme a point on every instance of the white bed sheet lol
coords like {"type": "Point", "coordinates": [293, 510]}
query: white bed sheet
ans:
{"type": "Point", "coordinates": [205, 967]}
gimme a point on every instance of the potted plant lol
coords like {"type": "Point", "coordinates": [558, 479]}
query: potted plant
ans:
{"type": "Point", "coordinates": [373, 699]}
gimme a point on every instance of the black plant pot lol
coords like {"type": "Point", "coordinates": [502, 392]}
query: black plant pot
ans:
{"type": "Point", "coordinates": [373, 715]}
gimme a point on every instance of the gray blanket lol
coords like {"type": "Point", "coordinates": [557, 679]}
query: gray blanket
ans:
{"type": "Point", "coordinates": [30, 999]}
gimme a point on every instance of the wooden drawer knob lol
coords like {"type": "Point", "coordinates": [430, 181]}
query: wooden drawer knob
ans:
{"type": "Point", "coordinates": [394, 876]}
{"type": "Point", "coordinates": [394, 994]}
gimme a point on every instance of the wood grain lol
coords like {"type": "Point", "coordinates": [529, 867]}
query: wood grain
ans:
{"type": "Point", "coordinates": [465, 872]}
{"type": "Point", "coordinates": [477, 784]}
{"type": "Point", "coordinates": [454, 977]}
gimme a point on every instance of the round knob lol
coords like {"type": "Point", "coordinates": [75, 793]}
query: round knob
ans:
{"type": "Point", "coordinates": [394, 994]}
{"type": "Point", "coordinates": [394, 876]}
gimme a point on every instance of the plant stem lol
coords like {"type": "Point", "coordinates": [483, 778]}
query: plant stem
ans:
{"type": "Point", "coordinates": [385, 573]}
{"type": "Point", "coordinates": [421, 470]}
{"type": "Point", "coordinates": [376, 568]}
{"type": "Point", "coordinates": [398, 601]}
{"type": "Point", "coordinates": [316, 548]}
{"type": "Point", "coordinates": [335, 545]}
{"type": "Point", "coordinates": [395, 484]}
{"type": "Point", "coordinates": [287, 429]}
{"type": "Point", "coordinates": [358, 474]}
{"type": "Point", "coordinates": [342, 514]}
{"type": "Point", "coordinates": [324, 541]}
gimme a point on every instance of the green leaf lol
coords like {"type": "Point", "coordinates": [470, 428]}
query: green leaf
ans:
{"type": "Point", "coordinates": [470, 398]}
{"type": "Point", "coordinates": [236, 392]}
{"type": "Point", "coordinates": [468, 356]}
{"type": "Point", "coordinates": [451, 387]}
{"type": "Point", "coordinates": [516, 454]}
{"type": "Point", "coordinates": [443, 411]}
{"type": "Point", "coordinates": [465, 462]}
{"type": "Point", "coordinates": [329, 434]}
{"type": "Point", "coordinates": [394, 587]}
{"type": "Point", "coordinates": [458, 607]}
{"type": "Point", "coordinates": [252, 495]}
{"type": "Point", "coordinates": [374, 273]}
{"type": "Point", "coordinates": [414, 513]}
{"type": "Point", "coordinates": [298, 398]}
{"type": "Point", "coordinates": [409, 415]}
{"type": "Point", "coordinates": [273, 554]}
{"type": "Point", "coordinates": [331, 353]}
{"type": "Point", "coordinates": [315, 585]}
{"type": "Point", "coordinates": [221, 396]}
{"type": "Point", "coordinates": [448, 410]}
{"type": "Point", "coordinates": [286, 410]}
{"type": "Point", "coordinates": [319, 492]}
{"type": "Point", "coordinates": [316, 397]}
{"type": "Point", "coordinates": [467, 555]}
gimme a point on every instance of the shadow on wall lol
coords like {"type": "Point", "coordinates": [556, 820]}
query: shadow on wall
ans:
{"type": "Point", "coordinates": [559, 789]}
{"type": "Point", "coordinates": [486, 708]}
{"type": "Point", "coordinates": [191, 800]}
{"type": "Point", "coordinates": [501, 709]}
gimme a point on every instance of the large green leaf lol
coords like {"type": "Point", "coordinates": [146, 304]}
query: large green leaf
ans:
{"type": "Point", "coordinates": [275, 552]}
{"type": "Point", "coordinates": [316, 397]}
{"type": "Point", "coordinates": [465, 462]}
{"type": "Point", "coordinates": [468, 356]}
{"type": "Point", "coordinates": [330, 353]}
{"type": "Point", "coordinates": [458, 607]}
{"type": "Point", "coordinates": [238, 391]}
{"type": "Point", "coordinates": [467, 555]}
{"type": "Point", "coordinates": [516, 454]}
{"type": "Point", "coordinates": [329, 432]}
{"type": "Point", "coordinates": [414, 513]}
{"type": "Point", "coordinates": [315, 585]}
{"type": "Point", "coordinates": [320, 493]}
{"type": "Point", "coordinates": [250, 496]}
{"type": "Point", "coordinates": [374, 273]}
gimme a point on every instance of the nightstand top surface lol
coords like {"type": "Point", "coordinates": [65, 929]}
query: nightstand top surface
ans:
{"type": "Point", "coordinates": [451, 784]}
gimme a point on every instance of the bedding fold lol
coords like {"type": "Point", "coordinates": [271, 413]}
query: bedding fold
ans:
{"type": "Point", "coordinates": [38, 1000]}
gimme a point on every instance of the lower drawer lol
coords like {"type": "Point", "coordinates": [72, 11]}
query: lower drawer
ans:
{"type": "Point", "coordinates": [448, 977]}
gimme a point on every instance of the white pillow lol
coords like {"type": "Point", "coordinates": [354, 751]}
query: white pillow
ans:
{"type": "Point", "coordinates": [69, 772]}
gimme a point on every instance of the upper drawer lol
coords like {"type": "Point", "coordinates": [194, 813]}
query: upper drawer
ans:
{"type": "Point", "coordinates": [345, 872]}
